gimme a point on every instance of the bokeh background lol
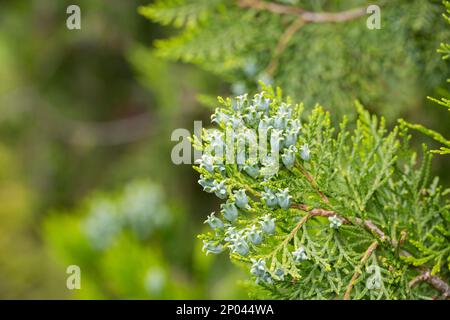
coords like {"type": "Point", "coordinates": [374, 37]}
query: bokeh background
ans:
{"type": "Point", "coordinates": [85, 172]}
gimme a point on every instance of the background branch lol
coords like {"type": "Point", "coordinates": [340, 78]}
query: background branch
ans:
{"type": "Point", "coordinates": [306, 16]}
{"type": "Point", "coordinates": [303, 18]}
{"type": "Point", "coordinates": [283, 43]}
{"type": "Point", "coordinates": [357, 273]}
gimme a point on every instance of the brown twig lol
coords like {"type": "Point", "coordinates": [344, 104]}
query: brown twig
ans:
{"type": "Point", "coordinates": [303, 17]}
{"type": "Point", "coordinates": [313, 183]}
{"type": "Point", "coordinates": [270, 6]}
{"type": "Point", "coordinates": [420, 278]}
{"type": "Point", "coordinates": [357, 273]}
{"type": "Point", "coordinates": [290, 236]}
{"type": "Point", "coordinates": [434, 281]}
{"type": "Point", "coordinates": [283, 43]}
{"type": "Point", "coordinates": [439, 284]}
{"type": "Point", "coordinates": [306, 16]}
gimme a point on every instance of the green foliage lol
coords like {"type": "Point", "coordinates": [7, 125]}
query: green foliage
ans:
{"type": "Point", "coordinates": [445, 51]}
{"type": "Point", "coordinates": [66, 101]}
{"type": "Point", "coordinates": [352, 215]}
{"type": "Point", "coordinates": [111, 242]}
{"type": "Point", "coordinates": [128, 245]}
{"type": "Point", "coordinates": [328, 63]}
{"type": "Point", "coordinates": [22, 259]}
{"type": "Point", "coordinates": [179, 13]}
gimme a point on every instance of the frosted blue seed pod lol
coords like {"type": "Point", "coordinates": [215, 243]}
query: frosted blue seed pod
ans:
{"type": "Point", "coordinates": [295, 125]}
{"type": "Point", "coordinates": [207, 184]}
{"type": "Point", "coordinates": [299, 255]}
{"type": "Point", "coordinates": [216, 140]}
{"type": "Point", "coordinates": [266, 278]}
{"type": "Point", "coordinates": [276, 140]}
{"type": "Point", "coordinates": [241, 199]}
{"type": "Point", "coordinates": [206, 162]}
{"type": "Point", "coordinates": [250, 119]}
{"type": "Point", "coordinates": [220, 168]}
{"type": "Point", "coordinates": [214, 222]}
{"type": "Point", "coordinates": [236, 122]}
{"type": "Point", "coordinates": [257, 98]}
{"type": "Point", "coordinates": [254, 235]}
{"type": "Point", "coordinates": [252, 171]}
{"type": "Point", "coordinates": [252, 116]}
{"type": "Point", "coordinates": [269, 199]}
{"type": "Point", "coordinates": [284, 199]}
{"type": "Point", "coordinates": [240, 102]}
{"type": "Point", "coordinates": [285, 109]}
{"type": "Point", "coordinates": [229, 211]}
{"type": "Point", "coordinates": [264, 106]}
{"type": "Point", "coordinates": [271, 166]}
{"type": "Point", "coordinates": [219, 117]}
{"type": "Point", "coordinates": [246, 137]}
{"type": "Point", "coordinates": [220, 189]}
{"type": "Point", "coordinates": [218, 147]}
{"type": "Point", "coordinates": [241, 156]}
{"type": "Point", "coordinates": [279, 273]}
{"type": "Point", "coordinates": [213, 134]}
{"type": "Point", "coordinates": [232, 235]}
{"type": "Point", "coordinates": [254, 109]}
{"type": "Point", "coordinates": [258, 268]}
{"type": "Point", "coordinates": [240, 246]}
{"type": "Point", "coordinates": [305, 152]}
{"type": "Point", "coordinates": [335, 222]}
{"type": "Point", "coordinates": [290, 138]}
{"type": "Point", "coordinates": [268, 225]}
{"type": "Point", "coordinates": [265, 124]}
{"type": "Point", "coordinates": [261, 103]}
{"type": "Point", "coordinates": [280, 121]}
{"type": "Point", "coordinates": [288, 157]}
{"type": "Point", "coordinates": [211, 247]}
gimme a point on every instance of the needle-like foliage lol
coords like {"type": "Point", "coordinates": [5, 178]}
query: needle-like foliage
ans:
{"type": "Point", "coordinates": [444, 49]}
{"type": "Point", "coordinates": [342, 212]}
{"type": "Point", "coordinates": [318, 51]}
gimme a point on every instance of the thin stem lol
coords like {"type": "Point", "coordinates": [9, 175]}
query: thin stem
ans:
{"type": "Point", "coordinates": [357, 273]}
{"type": "Point", "coordinates": [290, 236]}
{"type": "Point", "coordinates": [313, 183]}
{"type": "Point", "coordinates": [434, 281]}
{"type": "Point", "coordinates": [303, 17]}
{"type": "Point", "coordinates": [283, 43]}
{"type": "Point", "coordinates": [306, 16]}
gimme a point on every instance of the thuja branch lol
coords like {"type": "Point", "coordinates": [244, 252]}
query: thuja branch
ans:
{"type": "Point", "coordinates": [313, 183]}
{"type": "Point", "coordinates": [290, 236]}
{"type": "Point", "coordinates": [283, 43]}
{"type": "Point", "coordinates": [357, 273]}
{"type": "Point", "coordinates": [306, 16]}
{"type": "Point", "coordinates": [425, 276]}
{"type": "Point", "coordinates": [258, 224]}
{"type": "Point", "coordinates": [303, 17]}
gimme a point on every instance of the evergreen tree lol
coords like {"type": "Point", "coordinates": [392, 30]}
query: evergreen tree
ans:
{"type": "Point", "coordinates": [318, 51]}
{"type": "Point", "coordinates": [445, 51]}
{"type": "Point", "coordinates": [343, 212]}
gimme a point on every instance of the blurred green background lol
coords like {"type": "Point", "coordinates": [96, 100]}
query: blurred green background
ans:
{"type": "Point", "coordinates": [86, 117]}
{"type": "Point", "coordinates": [85, 172]}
